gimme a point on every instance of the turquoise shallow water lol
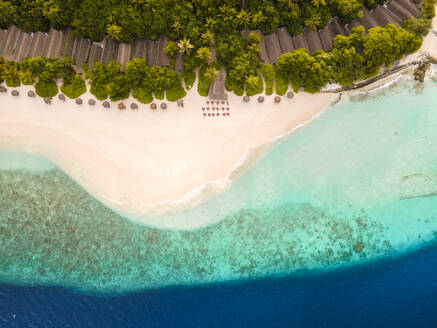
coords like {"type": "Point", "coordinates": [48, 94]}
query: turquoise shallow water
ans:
{"type": "Point", "coordinates": [354, 185]}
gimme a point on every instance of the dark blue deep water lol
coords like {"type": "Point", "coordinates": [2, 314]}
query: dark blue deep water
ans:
{"type": "Point", "coordinates": [398, 292]}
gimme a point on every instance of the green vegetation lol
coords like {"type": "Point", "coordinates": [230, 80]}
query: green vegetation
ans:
{"type": "Point", "coordinates": [46, 88]}
{"type": "Point", "coordinates": [269, 76]}
{"type": "Point", "coordinates": [74, 88]}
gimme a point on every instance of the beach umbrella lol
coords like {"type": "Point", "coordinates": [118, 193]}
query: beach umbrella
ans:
{"type": "Point", "coordinates": [31, 94]}
{"type": "Point", "coordinates": [121, 106]}
{"type": "Point", "coordinates": [48, 100]}
{"type": "Point", "coordinates": [153, 106]}
{"type": "Point", "coordinates": [91, 102]}
{"type": "Point", "coordinates": [246, 99]}
{"type": "Point", "coordinates": [106, 104]}
{"type": "Point", "coordinates": [163, 106]}
{"type": "Point", "coordinates": [277, 99]}
{"type": "Point", "coordinates": [260, 99]}
{"type": "Point", "coordinates": [3, 89]}
{"type": "Point", "coordinates": [180, 103]}
{"type": "Point", "coordinates": [79, 101]}
{"type": "Point", "coordinates": [15, 93]}
{"type": "Point", "coordinates": [290, 95]}
{"type": "Point", "coordinates": [133, 106]}
{"type": "Point", "coordinates": [61, 97]}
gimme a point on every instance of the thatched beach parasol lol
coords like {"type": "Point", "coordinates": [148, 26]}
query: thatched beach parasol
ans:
{"type": "Point", "coordinates": [133, 106]}
{"type": "Point", "coordinates": [15, 93]}
{"type": "Point", "coordinates": [246, 99]}
{"type": "Point", "coordinates": [31, 94]}
{"type": "Point", "coordinates": [106, 104]}
{"type": "Point", "coordinates": [3, 89]}
{"type": "Point", "coordinates": [277, 99]}
{"type": "Point", "coordinates": [163, 106]}
{"type": "Point", "coordinates": [61, 96]}
{"type": "Point", "coordinates": [290, 95]}
{"type": "Point", "coordinates": [48, 100]}
{"type": "Point", "coordinates": [260, 99]}
{"type": "Point", "coordinates": [91, 102]}
{"type": "Point", "coordinates": [153, 106]}
{"type": "Point", "coordinates": [180, 102]}
{"type": "Point", "coordinates": [121, 106]}
{"type": "Point", "coordinates": [79, 101]}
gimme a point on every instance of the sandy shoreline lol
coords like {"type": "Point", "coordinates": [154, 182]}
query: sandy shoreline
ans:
{"type": "Point", "coordinates": [141, 161]}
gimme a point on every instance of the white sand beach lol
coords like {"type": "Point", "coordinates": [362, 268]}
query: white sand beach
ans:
{"type": "Point", "coordinates": [143, 161]}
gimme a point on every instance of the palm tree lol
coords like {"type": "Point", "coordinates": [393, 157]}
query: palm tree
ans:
{"type": "Point", "coordinates": [208, 38]}
{"type": "Point", "coordinates": [114, 31]}
{"type": "Point", "coordinates": [243, 18]}
{"type": "Point", "coordinates": [257, 19]}
{"type": "Point", "coordinates": [185, 46]}
{"type": "Point", "coordinates": [318, 3]}
{"type": "Point", "coordinates": [211, 74]}
{"type": "Point", "coordinates": [313, 22]}
{"type": "Point", "coordinates": [211, 23]}
{"type": "Point", "coordinates": [177, 27]}
{"type": "Point", "coordinates": [252, 81]}
{"type": "Point", "coordinates": [204, 54]}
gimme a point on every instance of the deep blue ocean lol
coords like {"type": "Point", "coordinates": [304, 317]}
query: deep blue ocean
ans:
{"type": "Point", "coordinates": [396, 292]}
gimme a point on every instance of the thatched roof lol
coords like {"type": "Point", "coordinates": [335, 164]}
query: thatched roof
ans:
{"type": "Point", "coordinates": [38, 44]}
{"type": "Point", "coordinates": [96, 52]}
{"type": "Point", "coordinates": [54, 43]}
{"type": "Point", "coordinates": [123, 55]}
{"type": "Point", "coordinates": [273, 47]}
{"type": "Point", "coordinates": [12, 38]}
{"type": "Point", "coordinates": [217, 89]}
{"type": "Point", "coordinates": [399, 11]}
{"type": "Point", "coordinates": [80, 53]}
{"type": "Point", "coordinates": [152, 52]}
{"type": "Point", "coordinates": [384, 17]}
{"type": "Point", "coordinates": [263, 56]}
{"type": "Point", "coordinates": [368, 20]}
{"type": "Point", "coordinates": [110, 50]}
{"type": "Point", "coordinates": [300, 42]}
{"type": "Point", "coordinates": [138, 49]}
{"type": "Point", "coordinates": [356, 22]}
{"type": "Point", "coordinates": [285, 40]}
{"type": "Point", "coordinates": [179, 65]}
{"type": "Point", "coordinates": [24, 48]}
{"type": "Point", "coordinates": [68, 43]}
{"type": "Point", "coordinates": [410, 6]}
{"type": "Point", "coordinates": [313, 40]}
{"type": "Point", "coordinates": [163, 59]}
{"type": "Point", "coordinates": [326, 37]}
{"type": "Point", "coordinates": [337, 27]}
{"type": "Point", "coordinates": [3, 36]}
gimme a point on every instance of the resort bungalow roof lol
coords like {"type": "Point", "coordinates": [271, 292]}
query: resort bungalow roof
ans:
{"type": "Point", "coordinates": [3, 35]}
{"type": "Point", "coordinates": [123, 55]}
{"type": "Point", "coordinates": [337, 27]}
{"type": "Point", "coordinates": [54, 43]}
{"type": "Point", "coordinates": [179, 65]}
{"type": "Point", "coordinates": [110, 50]}
{"type": "Point", "coordinates": [285, 40]}
{"type": "Point", "coordinates": [69, 41]}
{"type": "Point", "coordinates": [38, 44]}
{"type": "Point", "coordinates": [327, 37]}
{"type": "Point", "coordinates": [384, 17]}
{"type": "Point", "coordinates": [273, 47]}
{"type": "Point", "coordinates": [24, 47]}
{"type": "Point", "coordinates": [313, 40]}
{"type": "Point", "coordinates": [410, 6]}
{"type": "Point", "coordinates": [137, 49]}
{"type": "Point", "coordinates": [356, 22]}
{"type": "Point", "coordinates": [12, 38]}
{"type": "Point", "coordinates": [300, 42]}
{"type": "Point", "coordinates": [368, 20]}
{"type": "Point", "coordinates": [80, 53]}
{"type": "Point", "coordinates": [152, 52]}
{"type": "Point", "coordinates": [96, 52]}
{"type": "Point", "coordinates": [217, 89]}
{"type": "Point", "coordinates": [399, 11]}
{"type": "Point", "coordinates": [163, 59]}
{"type": "Point", "coordinates": [263, 56]}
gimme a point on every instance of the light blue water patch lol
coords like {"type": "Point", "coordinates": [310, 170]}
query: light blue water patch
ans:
{"type": "Point", "coordinates": [17, 161]}
{"type": "Point", "coordinates": [357, 184]}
